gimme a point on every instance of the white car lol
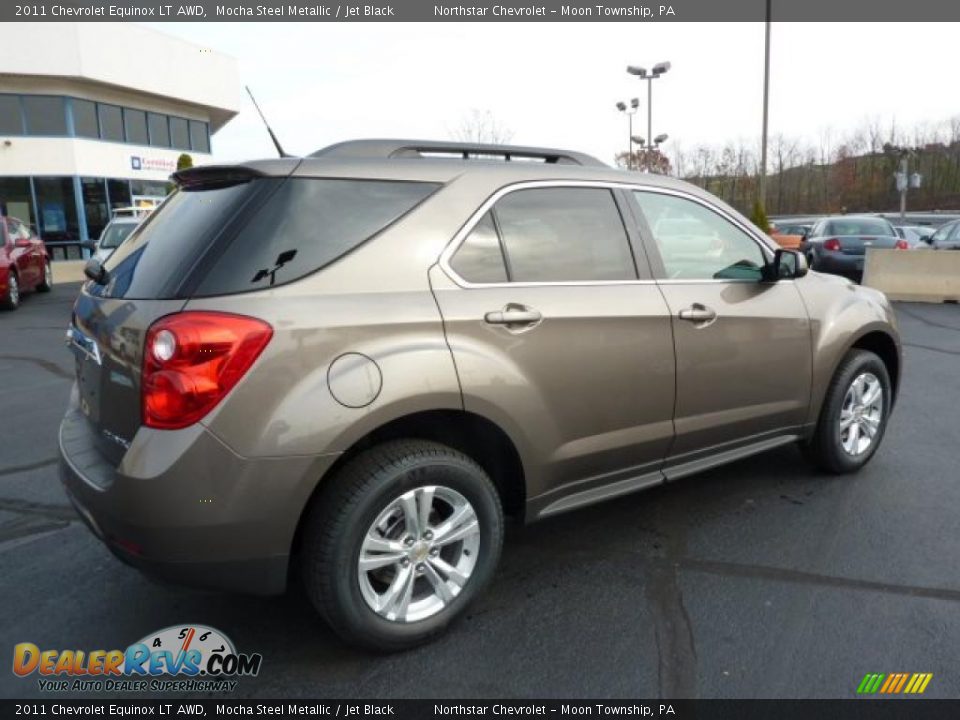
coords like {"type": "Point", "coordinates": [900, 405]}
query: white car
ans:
{"type": "Point", "coordinates": [918, 236]}
{"type": "Point", "coordinates": [123, 222]}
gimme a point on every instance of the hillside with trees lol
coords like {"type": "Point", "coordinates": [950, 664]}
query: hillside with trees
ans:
{"type": "Point", "coordinates": [852, 172]}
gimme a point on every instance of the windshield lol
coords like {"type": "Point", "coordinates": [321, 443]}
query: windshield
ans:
{"type": "Point", "coordinates": [115, 234]}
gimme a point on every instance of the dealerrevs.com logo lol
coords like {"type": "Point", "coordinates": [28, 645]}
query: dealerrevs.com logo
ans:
{"type": "Point", "coordinates": [180, 658]}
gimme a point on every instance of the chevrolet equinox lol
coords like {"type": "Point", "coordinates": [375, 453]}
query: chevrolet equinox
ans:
{"type": "Point", "coordinates": [354, 364]}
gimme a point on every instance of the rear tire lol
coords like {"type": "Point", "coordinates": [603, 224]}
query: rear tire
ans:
{"type": "Point", "coordinates": [11, 299]}
{"type": "Point", "coordinates": [426, 523]}
{"type": "Point", "coordinates": [46, 285]}
{"type": "Point", "coordinates": [853, 417]}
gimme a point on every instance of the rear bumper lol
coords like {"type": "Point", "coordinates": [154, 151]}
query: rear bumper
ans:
{"type": "Point", "coordinates": [838, 263]}
{"type": "Point", "coordinates": [184, 508]}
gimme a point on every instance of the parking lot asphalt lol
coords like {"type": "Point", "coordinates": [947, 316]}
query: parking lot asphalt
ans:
{"type": "Point", "coordinates": [760, 579]}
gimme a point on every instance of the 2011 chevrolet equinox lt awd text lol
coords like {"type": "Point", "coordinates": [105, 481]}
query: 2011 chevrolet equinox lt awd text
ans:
{"type": "Point", "coordinates": [352, 365]}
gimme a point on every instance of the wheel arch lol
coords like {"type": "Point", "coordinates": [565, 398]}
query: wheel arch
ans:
{"type": "Point", "coordinates": [883, 345]}
{"type": "Point", "coordinates": [474, 435]}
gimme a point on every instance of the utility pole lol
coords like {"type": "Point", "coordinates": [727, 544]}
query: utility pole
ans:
{"type": "Point", "coordinates": [902, 182]}
{"type": "Point", "coordinates": [766, 105]}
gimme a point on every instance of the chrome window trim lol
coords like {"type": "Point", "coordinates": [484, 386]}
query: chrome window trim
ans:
{"type": "Point", "coordinates": [474, 219]}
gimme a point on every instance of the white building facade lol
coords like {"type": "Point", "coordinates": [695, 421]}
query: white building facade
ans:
{"type": "Point", "coordinates": [95, 116]}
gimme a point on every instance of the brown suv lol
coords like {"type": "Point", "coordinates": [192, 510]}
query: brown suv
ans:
{"type": "Point", "coordinates": [355, 363]}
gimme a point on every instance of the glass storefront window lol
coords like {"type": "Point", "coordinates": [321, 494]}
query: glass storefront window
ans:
{"type": "Point", "coordinates": [198, 136]}
{"type": "Point", "coordinates": [135, 124]}
{"type": "Point", "coordinates": [148, 188]}
{"type": "Point", "coordinates": [159, 130]}
{"type": "Point", "coordinates": [45, 115]}
{"type": "Point", "coordinates": [57, 209]}
{"type": "Point", "coordinates": [11, 122]}
{"type": "Point", "coordinates": [179, 133]}
{"type": "Point", "coordinates": [95, 205]}
{"type": "Point", "coordinates": [119, 193]}
{"type": "Point", "coordinates": [111, 122]}
{"type": "Point", "coordinates": [85, 119]}
{"type": "Point", "coordinates": [16, 200]}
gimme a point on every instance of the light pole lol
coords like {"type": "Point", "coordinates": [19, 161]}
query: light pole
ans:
{"type": "Point", "coordinates": [658, 70]}
{"type": "Point", "coordinates": [630, 112]}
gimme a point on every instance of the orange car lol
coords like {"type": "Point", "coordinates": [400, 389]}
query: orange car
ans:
{"type": "Point", "coordinates": [788, 241]}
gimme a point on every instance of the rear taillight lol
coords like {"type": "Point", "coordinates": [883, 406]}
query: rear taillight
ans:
{"type": "Point", "coordinates": [191, 360]}
{"type": "Point", "coordinates": [902, 245]}
{"type": "Point", "coordinates": [832, 244]}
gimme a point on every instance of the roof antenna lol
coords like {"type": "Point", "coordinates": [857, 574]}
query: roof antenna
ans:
{"type": "Point", "coordinates": [272, 136]}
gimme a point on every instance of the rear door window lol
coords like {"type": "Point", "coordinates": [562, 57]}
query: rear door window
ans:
{"type": "Point", "coordinates": [480, 258]}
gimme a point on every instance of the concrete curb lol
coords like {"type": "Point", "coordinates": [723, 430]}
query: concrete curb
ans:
{"type": "Point", "coordinates": [68, 271]}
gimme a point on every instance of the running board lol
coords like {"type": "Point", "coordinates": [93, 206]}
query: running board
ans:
{"type": "Point", "coordinates": [674, 472]}
{"type": "Point", "coordinates": [647, 480]}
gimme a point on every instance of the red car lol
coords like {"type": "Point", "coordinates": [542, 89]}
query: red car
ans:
{"type": "Point", "coordinates": [24, 262]}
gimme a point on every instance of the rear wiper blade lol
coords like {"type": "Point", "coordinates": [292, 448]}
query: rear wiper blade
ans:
{"type": "Point", "coordinates": [95, 270]}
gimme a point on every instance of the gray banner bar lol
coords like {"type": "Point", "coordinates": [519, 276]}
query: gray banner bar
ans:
{"type": "Point", "coordinates": [483, 11]}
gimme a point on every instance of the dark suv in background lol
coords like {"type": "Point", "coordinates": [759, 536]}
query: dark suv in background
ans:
{"type": "Point", "coordinates": [354, 364]}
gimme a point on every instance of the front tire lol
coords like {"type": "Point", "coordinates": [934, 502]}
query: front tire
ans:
{"type": "Point", "coordinates": [854, 414]}
{"type": "Point", "coordinates": [400, 541]}
{"type": "Point", "coordinates": [46, 285]}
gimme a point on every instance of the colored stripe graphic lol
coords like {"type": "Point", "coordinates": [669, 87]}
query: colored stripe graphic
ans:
{"type": "Point", "coordinates": [903, 681]}
{"type": "Point", "coordinates": [894, 683]}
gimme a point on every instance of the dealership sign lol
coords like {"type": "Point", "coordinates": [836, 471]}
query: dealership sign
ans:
{"type": "Point", "coordinates": [141, 162]}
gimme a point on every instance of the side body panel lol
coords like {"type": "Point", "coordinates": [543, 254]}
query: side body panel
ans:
{"type": "Point", "coordinates": [746, 374]}
{"type": "Point", "coordinates": [588, 392]}
{"type": "Point", "coordinates": [840, 314]}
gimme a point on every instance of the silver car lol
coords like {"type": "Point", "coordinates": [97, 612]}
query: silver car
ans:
{"type": "Point", "coordinates": [113, 234]}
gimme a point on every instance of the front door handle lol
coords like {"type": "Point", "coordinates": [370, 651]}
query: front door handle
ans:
{"type": "Point", "coordinates": [698, 313]}
{"type": "Point", "coordinates": [513, 316]}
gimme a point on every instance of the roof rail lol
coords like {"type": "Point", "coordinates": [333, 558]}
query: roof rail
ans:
{"type": "Point", "coordinates": [466, 151]}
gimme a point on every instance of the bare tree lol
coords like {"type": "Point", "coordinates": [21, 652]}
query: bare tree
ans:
{"type": "Point", "coordinates": [480, 126]}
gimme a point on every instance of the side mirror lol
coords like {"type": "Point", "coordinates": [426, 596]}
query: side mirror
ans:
{"type": "Point", "coordinates": [786, 265]}
{"type": "Point", "coordinates": [89, 244]}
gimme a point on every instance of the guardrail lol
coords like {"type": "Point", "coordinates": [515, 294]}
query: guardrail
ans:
{"type": "Point", "coordinates": [914, 275]}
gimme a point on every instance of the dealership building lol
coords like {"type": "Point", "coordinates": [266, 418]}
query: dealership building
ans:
{"type": "Point", "coordinates": [93, 117]}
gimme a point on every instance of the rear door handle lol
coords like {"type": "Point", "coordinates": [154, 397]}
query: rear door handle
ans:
{"type": "Point", "coordinates": [512, 316]}
{"type": "Point", "coordinates": [698, 313]}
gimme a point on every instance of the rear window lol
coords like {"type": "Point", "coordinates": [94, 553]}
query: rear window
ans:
{"type": "Point", "coordinates": [115, 234]}
{"type": "Point", "coordinates": [305, 225]}
{"type": "Point", "coordinates": [858, 227]}
{"type": "Point", "coordinates": [260, 233]}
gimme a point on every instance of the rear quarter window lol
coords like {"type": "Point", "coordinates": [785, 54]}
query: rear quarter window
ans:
{"type": "Point", "coordinates": [305, 225]}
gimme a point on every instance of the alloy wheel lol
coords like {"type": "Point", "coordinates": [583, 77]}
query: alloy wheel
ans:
{"type": "Point", "coordinates": [418, 554]}
{"type": "Point", "coordinates": [861, 414]}
{"type": "Point", "coordinates": [13, 290]}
